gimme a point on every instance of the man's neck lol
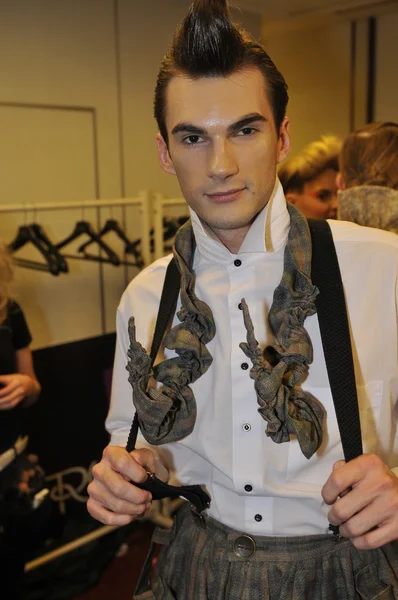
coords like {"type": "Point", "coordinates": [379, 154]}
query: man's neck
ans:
{"type": "Point", "coordinates": [232, 239]}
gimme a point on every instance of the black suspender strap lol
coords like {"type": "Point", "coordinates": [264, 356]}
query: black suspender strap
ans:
{"type": "Point", "coordinates": [335, 335]}
{"type": "Point", "coordinates": [168, 302]}
{"type": "Point", "coordinates": [197, 496]}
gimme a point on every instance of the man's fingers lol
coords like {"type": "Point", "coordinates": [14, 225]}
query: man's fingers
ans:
{"type": "Point", "coordinates": [118, 484]}
{"type": "Point", "coordinates": [376, 538]}
{"type": "Point", "coordinates": [122, 462]}
{"type": "Point", "coordinates": [341, 479]}
{"type": "Point", "coordinates": [145, 458]}
{"type": "Point", "coordinates": [105, 516]}
{"type": "Point", "coordinates": [361, 523]}
{"type": "Point", "coordinates": [349, 504]}
{"type": "Point", "coordinates": [338, 464]}
{"type": "Point", "coordinates": [115, 504]}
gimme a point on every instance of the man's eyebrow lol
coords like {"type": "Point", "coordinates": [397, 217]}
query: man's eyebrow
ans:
{"type": "Point", "coordinates": [245, 121]}
{"type": "Point", "coordinates": [188, 128]}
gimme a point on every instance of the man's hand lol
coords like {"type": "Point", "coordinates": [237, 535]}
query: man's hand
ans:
{"type": "Point", "coordinates": [364, 495]}
{"type": "Point", "coordinates": [114, 500]}
{"type": "Point", "coordinates": [14, 389]}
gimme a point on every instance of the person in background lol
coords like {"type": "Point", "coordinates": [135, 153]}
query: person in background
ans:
{"type": "Point", "coordinates": [19, 388]}
{"type": "Point", "coordinates": [309, 178]}
{"type": "Point", "coordinates": [368, 178]}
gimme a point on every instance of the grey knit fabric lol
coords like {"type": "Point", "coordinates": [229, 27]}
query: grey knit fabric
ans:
{"type": "Point", "coordinates": [370, 205]}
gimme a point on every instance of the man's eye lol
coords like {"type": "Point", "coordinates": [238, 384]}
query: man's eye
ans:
{"type": "Point", "coordinates": [191, 140]}
{"type": "Point", "coordinates": [247, 131]}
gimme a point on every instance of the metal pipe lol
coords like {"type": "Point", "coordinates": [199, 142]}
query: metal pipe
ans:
{"type": "Point", "coordinates": [81, 541]}
{"type": "Point", "coordinates": [31, 206]}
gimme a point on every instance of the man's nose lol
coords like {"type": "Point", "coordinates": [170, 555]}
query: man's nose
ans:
{"type": "Point", "coordinates": [222, 161]}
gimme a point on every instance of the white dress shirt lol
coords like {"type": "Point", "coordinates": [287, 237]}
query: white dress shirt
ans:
{"type": "Point", "coordinates": [256, 485]}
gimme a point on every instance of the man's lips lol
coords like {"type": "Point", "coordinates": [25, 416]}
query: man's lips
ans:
{"type": "Point", "coordinates": [227, 196]}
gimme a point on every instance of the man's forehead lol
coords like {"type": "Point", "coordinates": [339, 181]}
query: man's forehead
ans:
{"type": "Point", "coordinates": [221, 98]}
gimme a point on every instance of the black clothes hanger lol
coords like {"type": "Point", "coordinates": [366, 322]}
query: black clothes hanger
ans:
{"type": "Point", "coordinates": [46, 242]}
{"type": "Point", "coordinates": [85, 228]}
{"type": "Point", "coordinates": [111, 225]}
{"type": "Point", "coordinates": [26, 234]}
{"type": "Point", "coordinates": [170, 228]}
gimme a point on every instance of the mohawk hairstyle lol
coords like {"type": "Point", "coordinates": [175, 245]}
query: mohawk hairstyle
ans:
{"type": "Point", "coordinates": [209, 44]}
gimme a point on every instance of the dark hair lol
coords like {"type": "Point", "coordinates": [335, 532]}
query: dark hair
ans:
{"type": "Point", "coordinates": [316, 158]}
{"type": "Point", "coordinates": [370, 156]}
{"type": "Point", "coordinates": [209, 44]}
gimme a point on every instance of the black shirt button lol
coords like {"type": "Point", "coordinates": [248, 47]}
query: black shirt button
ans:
{"type": "Point", "coordinates": [248, 488]}
{"type": "Point", "coordinates": [258, 518]}
{"type": "Point", "coordinates": [240, 306]}
{"type": "Point", "coordinates": [244, 366]}
{"type": "Point", "coordinates": [237, 262]}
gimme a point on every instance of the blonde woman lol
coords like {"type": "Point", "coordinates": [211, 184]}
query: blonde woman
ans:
{"type": "Point", "coordinates": [19, 388]}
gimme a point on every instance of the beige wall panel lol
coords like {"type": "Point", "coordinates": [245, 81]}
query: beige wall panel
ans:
{"type": "Point", "coordinates": [386, 99]}
{"type": "Point", "coordinates": [46, 155]}
{"type": "Point", "coordinates": [316, 65]}
{"type": "Point", "coordinates": [64, 52]}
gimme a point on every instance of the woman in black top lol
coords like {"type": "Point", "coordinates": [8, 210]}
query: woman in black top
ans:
{"type": "Point", "coordinates": [19, 388]}
{"type": "Point", "coordinates": [18, 384]}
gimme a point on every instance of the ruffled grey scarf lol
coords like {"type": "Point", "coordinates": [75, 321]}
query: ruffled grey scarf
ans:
{"type": "Point", "coordinates": [168, 414]}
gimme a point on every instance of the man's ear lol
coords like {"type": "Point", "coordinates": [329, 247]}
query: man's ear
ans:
{"type": "Point", "coordinates": [164, 155]}
{"type": "Point", "coordinates": [340, 181]}
{"type": "Point", "coordinates": [284, 140]}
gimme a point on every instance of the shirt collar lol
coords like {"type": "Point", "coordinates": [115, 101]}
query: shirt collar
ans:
{"type": "Point", "coordinates": [267, 234]}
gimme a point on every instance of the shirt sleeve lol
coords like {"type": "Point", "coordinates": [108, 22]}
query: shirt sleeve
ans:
{"type": "Point", "coordinates": [21, 336]}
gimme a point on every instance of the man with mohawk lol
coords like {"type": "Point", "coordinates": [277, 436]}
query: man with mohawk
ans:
{"type": "Point", "coordinates": [252, 421]}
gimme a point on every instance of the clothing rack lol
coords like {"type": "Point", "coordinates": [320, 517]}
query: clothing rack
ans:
{"type": "Point", "coordinates": [142, 201]}
{"type": "Point", "coordinates": [160, 203]}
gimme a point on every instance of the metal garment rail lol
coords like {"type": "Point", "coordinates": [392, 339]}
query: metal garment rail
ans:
{"type": "Point", "coordinates": [142, 201]}
{"type": "Point", "coordinates": [160, 203]}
